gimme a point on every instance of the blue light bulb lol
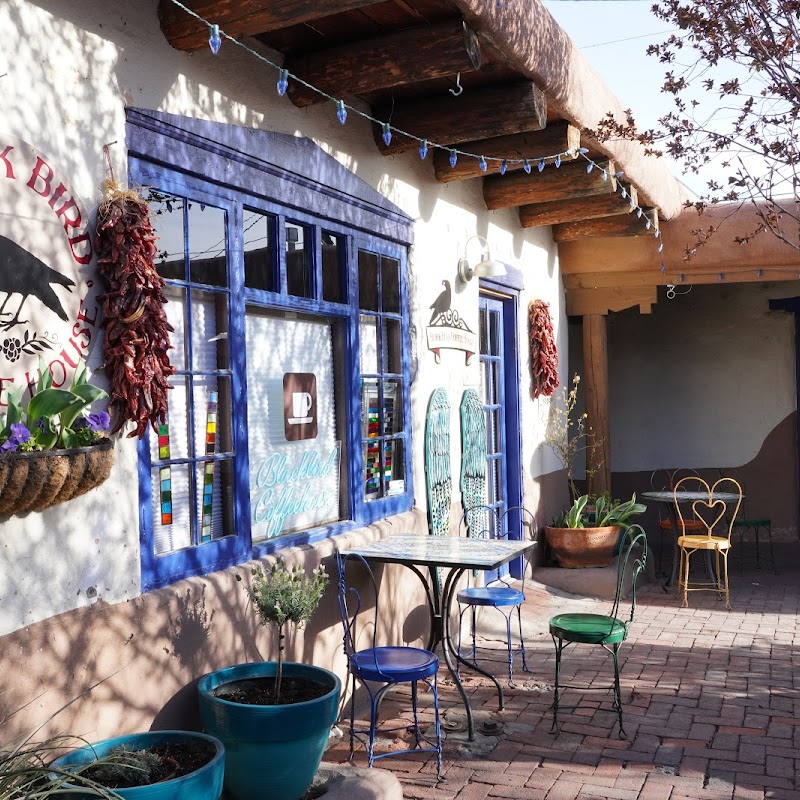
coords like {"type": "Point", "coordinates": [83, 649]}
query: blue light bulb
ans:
{"type": "Point", "coordinates": [681, 277]}
{"type": "Point", "coordinates": [453, 158]}
{"type": "Point", "coordinates": [482, 164]}
{"type": "Point", "coordinates": [526, 165]}
{"type": "Point", "coordinates": [663, 268]}
{"type": "Point", "coordinates": [623, 193]}
{"type": "Point", "coordinates": [283, 82]}
{"type": "Point", "coordinates": [423, 149]}
{"type": "Point", "coordinates": [503, 167]}
{"type": "Point", "coordinates": [583, 150]}
{"type": "Point", "coordinates": [387, 134]}
{"type": "Point", "coordinates": [589, 167]}
{"type": "Point", "coordinates": [341, 111]}
{"type": "Point", "coordinates": [214, 40]}
{"type": "Point", "coordinates": [648, 224]}
{"type": "Point", "coordinates": [639, 212]}
{"type": "Point", "coordinates": [541, 164]}
{"type": "Point", "coordinates": [660, 246]}
{"type": "Point", "coordinates": [557, 162]}
{"type": "Point", "coordinates": [759, 273]}
{"type": "Point", "coordinates": [605, 175]}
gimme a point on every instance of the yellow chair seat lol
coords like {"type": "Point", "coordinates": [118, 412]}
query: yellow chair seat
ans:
{"type": "Point", "coordinates": [704, 542]}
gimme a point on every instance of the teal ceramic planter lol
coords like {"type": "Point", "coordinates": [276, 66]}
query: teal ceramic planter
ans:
{"type": "Point", "coordinates": [203, 784]}
{"type": "Point", "coordinates": [271, 752]}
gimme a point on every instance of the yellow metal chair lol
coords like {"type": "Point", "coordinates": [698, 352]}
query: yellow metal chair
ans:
{"type": "Point", "coordinates": [711, 506]}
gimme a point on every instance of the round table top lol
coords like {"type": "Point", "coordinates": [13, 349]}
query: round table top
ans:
{"type": "Point", "coordinates": [689, 497]}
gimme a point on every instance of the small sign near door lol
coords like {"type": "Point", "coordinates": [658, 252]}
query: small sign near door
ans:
{"type": "Point", "coordinates": [299, 406]}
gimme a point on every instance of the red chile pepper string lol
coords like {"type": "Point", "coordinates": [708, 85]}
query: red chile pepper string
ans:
{"type": "Point", "coordinates": [137, 332]}
{"type": "Point", "coordinates": [544, 357]}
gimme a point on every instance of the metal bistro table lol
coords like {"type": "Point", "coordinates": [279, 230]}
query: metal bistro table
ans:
{"type": "Point", "coordinates": [669, 499]}
{"type": "Point", "coordinates": [458, 555]}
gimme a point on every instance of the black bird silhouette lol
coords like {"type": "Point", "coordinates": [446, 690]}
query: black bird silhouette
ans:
{"type": "Point", "coordinates": [441, 303]}
{"type": "Point", "coordinates": [22, 273]}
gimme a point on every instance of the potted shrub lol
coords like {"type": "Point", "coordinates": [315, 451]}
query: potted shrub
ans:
{"type": "Point", "coordinates": [158, 765]}
{"type": "Point", "coordinates": [585, 536]}
{"type": "Point", "coordinates": [51, 448]}
{"type": "Point", "coordinates": [273, 717]}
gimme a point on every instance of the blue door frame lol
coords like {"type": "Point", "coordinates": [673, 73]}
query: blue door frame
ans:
{"type": "Point", "coordinates": [500, 384]}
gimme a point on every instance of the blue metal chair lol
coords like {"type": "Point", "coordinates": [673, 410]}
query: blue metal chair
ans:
{"type": "Point", "coordinates": [607, 630]}
{"type": "Point", "coordinates": [498, 592]}
{"type": "Point", "coordinates": [386, 666]}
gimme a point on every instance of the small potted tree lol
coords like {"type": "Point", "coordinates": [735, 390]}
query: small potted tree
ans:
{"type": "Point", "coordinates": [274, 717]}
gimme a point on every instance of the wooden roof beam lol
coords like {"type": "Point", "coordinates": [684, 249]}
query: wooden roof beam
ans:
{"type": "Point", "coordinates": [478, 114]}
{"type": "Point", "coordinates": [560, 211]}
{"type": "Point", "coordinates": [418, 54]}
{"type": "Point", "coordinates": [568, 181]}
{"type": "Point", "coordinates": [242, 18]}
{"type": "Point", "coordinates": [559, 137]}
{"type": "Point", "coordinates": [600, 301]}
{"type": "Point", "coordinates": [629, 225]}
{"type": "Point", "coordinates": [689, 276]}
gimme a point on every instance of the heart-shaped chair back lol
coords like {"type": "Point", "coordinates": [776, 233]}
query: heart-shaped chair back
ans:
{"type": "Point", "coordinates": [716, 505]}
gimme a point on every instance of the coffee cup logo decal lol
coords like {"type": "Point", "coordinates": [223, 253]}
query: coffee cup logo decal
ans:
{"type": "Point", "coordinates": [299, 406]}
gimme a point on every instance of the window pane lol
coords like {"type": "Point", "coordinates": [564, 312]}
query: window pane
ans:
{"type": "Point", "coordinates": [175, 310]}
{"type": "Point", "coordinates": [166, 217]}
{"type": "Point", "coordinates": [295, 461]}
{"type": "Point", "coordinates": [259, 257]}
{"type": "Point", "coordinates": [390, 284]}
{"type": "Point", "coordinates": [298, 272]}
{"type": "Point", "coordinates": [332, 273]}
{"type": "Point", "coordinates": [210, 349]}
{"type": "Point", "coordinates": [211, 396]}
{"type": "Point", "coordinates": [207, 245]}
{"type": "Point", "coordinates": [172, 527]}
{"type": "Point", "coordinates": [367, 281]}
{"type": "Point", "coordinates": [214, 480]}
{"type": "Point", "coordinates": [392, 407]}
{"type": "Point", "coordinates": [370, 427]}
{"type": "Point", "coordinates": [368, 334]}
{"type": "Point", "coordinates": [392, 346]}
{"type": "Point", "coordinates": [172, 439]}
{"type": "Point", "coordinates": [394, 463]}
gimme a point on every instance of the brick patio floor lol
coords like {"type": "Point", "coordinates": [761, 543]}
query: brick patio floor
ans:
{"type": "Point", "coordinates": [710, 696]}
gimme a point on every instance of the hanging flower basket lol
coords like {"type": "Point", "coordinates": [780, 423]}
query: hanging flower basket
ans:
{"type": "Point", "coordinates": [32, 481]}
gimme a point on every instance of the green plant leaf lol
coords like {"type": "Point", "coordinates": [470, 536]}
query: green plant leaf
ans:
{"type": "Point", "coordinates": [48, 403]}
{"type": "Point", "coordinates": [45, 377]}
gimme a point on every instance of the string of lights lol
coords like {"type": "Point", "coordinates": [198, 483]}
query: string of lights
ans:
{"type": "Point", "coordinates": [424, 145]}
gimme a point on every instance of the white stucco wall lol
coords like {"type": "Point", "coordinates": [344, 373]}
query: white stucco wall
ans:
{"type": "Point", "coordinates": [70, 70]}
{"type": "Point", "coordinates": [702, 380]}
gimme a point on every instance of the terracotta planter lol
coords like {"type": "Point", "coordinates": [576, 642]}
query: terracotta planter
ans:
{"type": "Point", "coordinates": [583, 547]}
{"type": "Point", "coordinates": [37, 480]}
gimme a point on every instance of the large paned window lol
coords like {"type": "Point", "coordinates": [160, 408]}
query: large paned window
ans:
{"type": "Point", "coordinates": [288, 413]}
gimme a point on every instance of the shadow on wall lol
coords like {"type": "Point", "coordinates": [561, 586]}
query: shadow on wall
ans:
{"type": "Point", "coordinates": [769, 479]}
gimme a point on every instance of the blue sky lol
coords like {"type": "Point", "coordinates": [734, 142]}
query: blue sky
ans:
{"type": "Point", "coordinates": [613, 35]}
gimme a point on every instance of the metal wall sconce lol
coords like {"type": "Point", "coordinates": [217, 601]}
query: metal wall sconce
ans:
{"type": "Point", "coordinates": [487, 267]}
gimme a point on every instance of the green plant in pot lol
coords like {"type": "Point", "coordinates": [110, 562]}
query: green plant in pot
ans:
{"type": "Point", "coordinates": [274, 717]}
{"type": "Point", "coordinates": [587, 535]}
{"type": "Point", "coordinates": [51, 448]}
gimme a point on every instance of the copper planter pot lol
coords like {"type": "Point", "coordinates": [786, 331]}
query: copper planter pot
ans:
{"type": "Point", "coordinates": [34, 481]}
{"type": "Point", "coordinates": [583, 547]}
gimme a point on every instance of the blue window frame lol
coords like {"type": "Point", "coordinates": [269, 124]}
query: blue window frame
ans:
{"type": "Point", "coordinates": [234, 262]}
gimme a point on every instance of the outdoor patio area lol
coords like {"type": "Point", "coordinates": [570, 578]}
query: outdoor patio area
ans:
{"type": "Point", "coordinates": [710, 705]}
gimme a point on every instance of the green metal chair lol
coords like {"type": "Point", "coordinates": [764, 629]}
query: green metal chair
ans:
{"type": "Point", "coordinates": [607, 630]}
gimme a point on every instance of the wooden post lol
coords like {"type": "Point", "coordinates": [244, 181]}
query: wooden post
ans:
{"type": "Point", "coordinates": [595, 382]}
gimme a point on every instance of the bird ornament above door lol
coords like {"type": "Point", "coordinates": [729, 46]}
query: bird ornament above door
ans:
{"type": "Point", "coordinates": [446, 329]}
{"type": "Point", "coordinates": [49, 288]}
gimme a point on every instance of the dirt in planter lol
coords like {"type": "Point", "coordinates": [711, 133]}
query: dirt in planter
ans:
{"type": "Point", "coordinates": [175, 759]}
{"type": "Point", "coordinates": [261, 691]}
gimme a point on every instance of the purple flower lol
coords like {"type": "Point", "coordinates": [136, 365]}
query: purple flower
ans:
{"type": "Point", "coordinates": [19, 435]}
{"type": "Point", "coordinates": [98, 422]}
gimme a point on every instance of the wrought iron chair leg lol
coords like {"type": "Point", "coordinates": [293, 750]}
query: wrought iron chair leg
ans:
{"type": "Point", "coordinates": [474, 651]}
{"type": "Point", "coordinates": [559, 645]}
{"type": "Point", "coordinates": [685, 603]}
{"type": "Point", "coordinates": [510, 651]}
{"type": "Point", "coordinates": [437, 728]}
{"type": "Point", "coordinates": [771, 551]}
{"type": "Point", "coordinates": [414, 711]}
{"type": "Point", "coordinates": [617, 692]}
{"type": "Point", "coordinates": [727, 587]}
{"type": "Point", "coordinates": [460, 627]}
{"type": "Point", "coordinates": [522, 640]}
{"type": "Point", "coordinates": [352, 717]}
{"type": "Point", "coordinates": [373, 724]}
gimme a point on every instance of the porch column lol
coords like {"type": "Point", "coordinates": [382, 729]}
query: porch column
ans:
{"type": "Point", "coordinates": [595, 392]}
